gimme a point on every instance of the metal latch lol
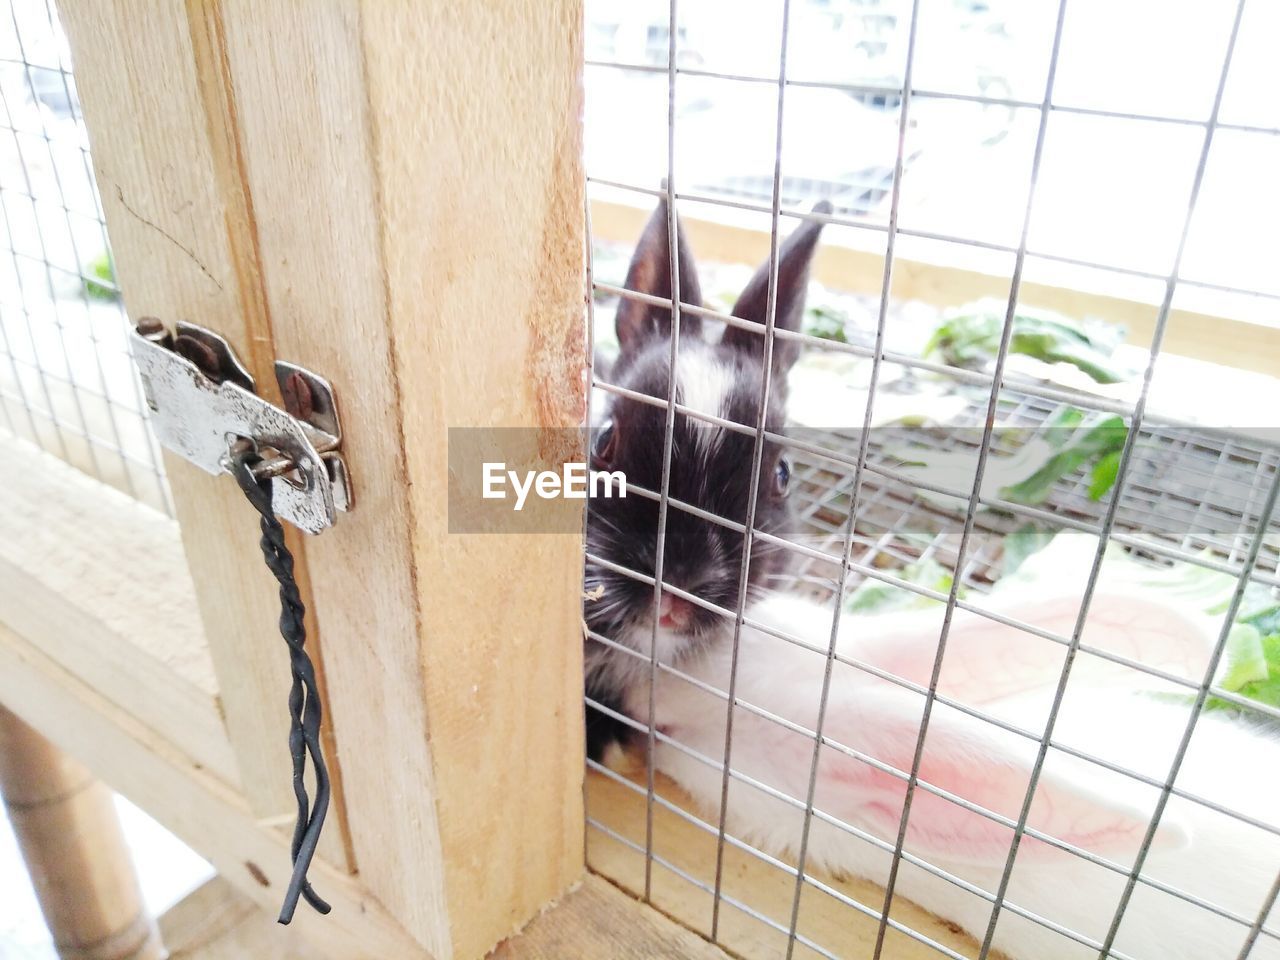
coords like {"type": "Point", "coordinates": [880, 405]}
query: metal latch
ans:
{"type": "Point", "coordinates": [204, 403]}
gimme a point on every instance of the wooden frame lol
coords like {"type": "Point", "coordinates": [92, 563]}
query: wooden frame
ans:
{"type": "Point", "coordinates": [437, 243]}
{"type": "Point", "coordinates": [164, 756]}
{"type": "Point", "coordinates": [853, 262]}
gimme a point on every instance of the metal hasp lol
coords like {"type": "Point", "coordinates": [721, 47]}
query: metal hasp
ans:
{"type": "Point", "coordinates": [203, 403]}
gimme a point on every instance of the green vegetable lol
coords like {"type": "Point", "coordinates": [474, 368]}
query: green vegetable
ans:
{"type": "Point", "coordinates": [1102, 442]}
{"type": "Point", "coordinates": [1103, 476]}
{"type": "Point", "coordinates": [1266, 620]}
{"type": "Point", "coordinates": [1246, 659]}
{"type": "Point", "coordinates": [827, 323]}
{"type": "Point", "coordinates": [1066, 418]}
{"type": "Point", "coordinates": [1066, 443]}
{"type": "Point", "coordinates": [1267, 689]}
{"type": "Point", "coordinates": [102, 268]}
{"type": "Point", "coordinates": [1254, 671]}
{"type": "Point", "coordinates": [876, 596]}
{"type": "Point", "coordinates": [971, 337]}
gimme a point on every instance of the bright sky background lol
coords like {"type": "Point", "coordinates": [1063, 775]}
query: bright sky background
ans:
{"type": "Point", "coordinates": [1111, 191]}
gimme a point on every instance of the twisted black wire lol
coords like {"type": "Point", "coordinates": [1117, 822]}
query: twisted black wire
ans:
{"type": "Point", "coordinates": [304, 696]}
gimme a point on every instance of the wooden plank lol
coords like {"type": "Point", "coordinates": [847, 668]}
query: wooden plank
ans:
{"type": "Point", "coordinates": [205, 916]}
{"type": "Point", "coordinates": [302, 117]}
{"type": "Point", "coordinates": [841, 266]}
{"type": "Point", "coordinates": [599, 920]}
{"type": "Point", "coordinates": [748, 880]}
{"type": "Point", "coordinates": [217, 922]}
{"type": "Point", "coordinates": [443, 290]}
{"type": "Point", "coordinates": [99, 583]}
{"type": "Point", "coordinates": [480, 195]}
{"type": "Point", "coordinates": [182, 251]}
{"type": "Point", "coordinates": [594, 920]}
{"type": "Point", "coordinates": [200, 809]}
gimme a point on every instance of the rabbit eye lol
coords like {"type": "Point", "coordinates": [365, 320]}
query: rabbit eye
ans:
{"type": "Point", "coordinates": [781, 477]}
{"type": "Point", "coordinates": [602, 450]}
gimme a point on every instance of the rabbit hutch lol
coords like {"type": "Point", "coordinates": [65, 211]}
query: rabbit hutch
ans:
{"type": "Point", "coordinates": [936, 343]}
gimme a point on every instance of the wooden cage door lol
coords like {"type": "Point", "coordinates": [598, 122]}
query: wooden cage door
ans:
{"type": "Point", "coordinates": [389, 194]}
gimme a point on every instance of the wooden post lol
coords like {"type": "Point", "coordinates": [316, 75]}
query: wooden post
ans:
{"type": "Point", "coordinates": [391, 195]}
{"type": "Point", "coordinates": [66, 826]}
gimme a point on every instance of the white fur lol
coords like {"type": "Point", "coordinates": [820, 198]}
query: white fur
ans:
{"type": "Point", "coordinates": [621, 672]}
{"type": "Point", "coordinates": [705, 386]}
{"type": "Point", "coordinates": [1203, 853]}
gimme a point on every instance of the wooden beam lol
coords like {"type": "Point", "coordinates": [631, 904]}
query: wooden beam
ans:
{"type": "Point", "coordinates": [217, 922]}
{"type": "Point", "coordinates": [99, 583]}
{"type": "Point", "coordinates": [748, 880]}
{"type": "Point", "coordinates": [475, 114]}
{"type": "Point", "coordinates": [390, 195]}
{"type": "Point", "coordinates": [599, 920]}
{"type": "Point", "coordinates": [860, 269]}
{"type": "Point", "coordinates": [595, 920]}
{"type": "Point", "coordinates": [444, 290]}
{"type": "Point", "coordinates": [183, 250]}
{"type": "Point", "coordinates": [303, 118]}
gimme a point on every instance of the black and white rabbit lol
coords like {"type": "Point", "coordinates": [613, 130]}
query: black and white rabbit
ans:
{"type": "Point", "coordinates": [1002, 671]}
{"type": "Point", "coordinates": [710, 465]}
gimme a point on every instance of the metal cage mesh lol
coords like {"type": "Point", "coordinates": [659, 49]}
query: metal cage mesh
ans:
{"type": "Point", "coordinates": [67, 382]}
{"type": "Point", "coordinates": [1185, 493]}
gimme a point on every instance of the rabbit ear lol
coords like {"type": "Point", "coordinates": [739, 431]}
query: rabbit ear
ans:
{"type": "Point", "coordinates": [794, 257]}
{"type": "Point", "coordinates": [983, 764]}
{"type": "Point", "coordinates": [650, 273]}
{"type": "Point", "coordinates": [986, 661]}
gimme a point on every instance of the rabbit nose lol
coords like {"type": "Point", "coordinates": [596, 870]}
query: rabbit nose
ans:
{"type": "Point", "coordinates": [674, 613]}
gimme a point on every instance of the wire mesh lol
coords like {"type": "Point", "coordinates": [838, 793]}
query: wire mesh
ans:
{"type": "Point", "coordinates": [67, 382]}
{"type": "Point", "coordinates": [1185, 493]}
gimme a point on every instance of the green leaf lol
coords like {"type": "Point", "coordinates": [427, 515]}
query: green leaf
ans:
{"type": "Point", "coordinates": [1057, 428]}
{"type": "Point", "coordinates": [102, 268]}
{"type": "Point", "coordinates": [972, 336]}
{"type": "Point", "coordinates": [1103, 476]}
{"type": "Point", "coordinates": [1267, 690]}
{"type": "Point", "coordinates": [1099, 440]}
{"type": "Point", "coordinates": [1265, 620]}
{"type": "Point", "coordinates": [1028, 475]}
{"type": "Point", "coordinates": [876, 596]}
{"type": "Point", "coordinates": [1246, 659]}
{"type": "Point", "coordinates": [1053, 346]}
{"type": "Point", "coordinates": [827, 323]}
